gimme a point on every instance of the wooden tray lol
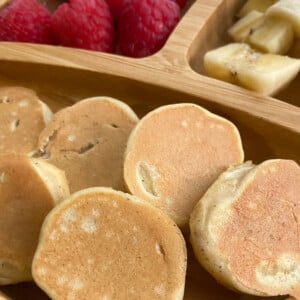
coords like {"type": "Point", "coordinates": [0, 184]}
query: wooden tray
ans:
{"type": "Point", "coordinates": [269, 127]}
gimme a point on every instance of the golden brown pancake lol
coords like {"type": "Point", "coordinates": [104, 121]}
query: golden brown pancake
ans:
{"type": "Point", "coordinates": [104, 244]}
{"type": "Point", "coordinates": [174, 154]}
{"type": "Point", "coordinates": [87, 141]}
{"type": "Point", "coordinates": [245, 229]}
{"type": "Point", "coordinates": [22, 118]}
{"type": "Point", "coordinates": [29, 189]}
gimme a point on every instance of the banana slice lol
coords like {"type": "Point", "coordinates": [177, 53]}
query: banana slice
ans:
{"type": "Point", "coordinates": [258, 5]}
{"type": "Point", "coordinates": [295, 50]}
{"type": "Point", "coordinates": [288, 10]}
{"type": "Point", "coordinates": [217, 62]}
{"type": "Point", "coordinates": [244, 27]}
{"type": "Point", "coordinates": [238, 63]}
{"type": "Point", "coordinates": [273, 36]}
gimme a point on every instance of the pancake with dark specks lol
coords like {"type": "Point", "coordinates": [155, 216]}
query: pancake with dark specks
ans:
{"type": "Point", "coordinates": [29, 189]}
{"type": "Point", "coordinates": [22, 118]}
{"type": "Point", "coordinates": [174, 154]}
{"type": "Point", "coordinates": [245, 229]}
{"type": "Point", "coordinates": [104, 244]}
{"type": "Point", "coordinates": [88, 140]}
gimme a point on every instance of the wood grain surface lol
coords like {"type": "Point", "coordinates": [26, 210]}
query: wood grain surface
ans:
{"type": "Point", "coordinates": [270, 127]}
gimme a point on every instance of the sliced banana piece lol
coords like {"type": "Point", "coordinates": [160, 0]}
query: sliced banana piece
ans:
{"type": "Point", "coordinates": [243, 28]}
{"type": "Point", "coordinates": [288, 10]}
{"type": "Point", "coordinates": [258, 5]}
{"type": "Point", "coordinates": [217, 62]}
{"type": "Point", "coordinates": [273, 36]}
{"type": "Point", "coordinates": [238, 63]}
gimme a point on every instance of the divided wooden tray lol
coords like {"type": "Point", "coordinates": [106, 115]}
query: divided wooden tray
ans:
{"type": "Point", "coordinates": [270, 127]}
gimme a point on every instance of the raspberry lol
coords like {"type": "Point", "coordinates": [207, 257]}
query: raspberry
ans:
{"type": "Point", "coordinates": [84, 24]}
{"type": "Point", "coordinates": [144, 26]}
{"type": "Point", "coordinates": [115, 7]}
{"type": "Point", "coordinates": [181, 3]}
{"type": "Point", "coordinates": [26, 21]}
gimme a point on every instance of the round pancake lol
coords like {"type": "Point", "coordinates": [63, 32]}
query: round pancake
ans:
{"type": "Point", "coordinates": [29, 189]}
{"type": "Point", "coordinates": [245, 229]}
{"type": "Point", "coordinates": [22, 118]}
{"type": "Point", "coordinates": [104, 244]}
{"type": "Point", "coordinates": [87, 141]}
{"type": "Point", "coordinates": [174, 154]}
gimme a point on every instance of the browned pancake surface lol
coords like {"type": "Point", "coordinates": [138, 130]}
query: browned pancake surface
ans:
{"type": "Point", "coordinates": [103, 244]}
{"type": "Point", "coordinates": [88, 140]}
{"type": "Point", "coordinates": [245, 229]}
{"type": "Point", "coordinates": [175, 153]}
{"type": "Point", "coordinates": [264, 230]}
{"type": "Point", "coordinates": [24, 203]}
{"type": "Point", "coordinates": [21, 120]}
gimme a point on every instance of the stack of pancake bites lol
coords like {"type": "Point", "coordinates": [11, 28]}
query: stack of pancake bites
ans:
{"type": "Point", "coordinates": [96, 203]}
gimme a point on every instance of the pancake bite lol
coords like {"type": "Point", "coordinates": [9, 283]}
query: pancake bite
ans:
{"type": "Point", "coordinates": [88, 140]}
{"type": "Point", "coordinates": [245, 229]}
{"type": "Point", "coordinates": [22, 118]}
{"type": "Point", "coordinates": [174, 154]}
{"type": "Point", "coordinates": [29, 189]}
{"type": "Point", "coordinates": [104, 244]}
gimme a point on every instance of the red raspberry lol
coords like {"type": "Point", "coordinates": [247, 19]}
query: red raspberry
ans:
{"type": "Point", "coordinates": [181, 3]}
{"type": "Point", "coordinates": [84, 24]}
{"type": "Point", "coordinates": [26, 21]}
{"type": "Point", "coordinates": [115, 7]}
{"type": "Point", "coordinates": [145, 25]}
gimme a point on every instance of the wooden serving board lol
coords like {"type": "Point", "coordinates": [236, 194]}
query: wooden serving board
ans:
{"type": "Point", "coordinates": [270, 127]}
